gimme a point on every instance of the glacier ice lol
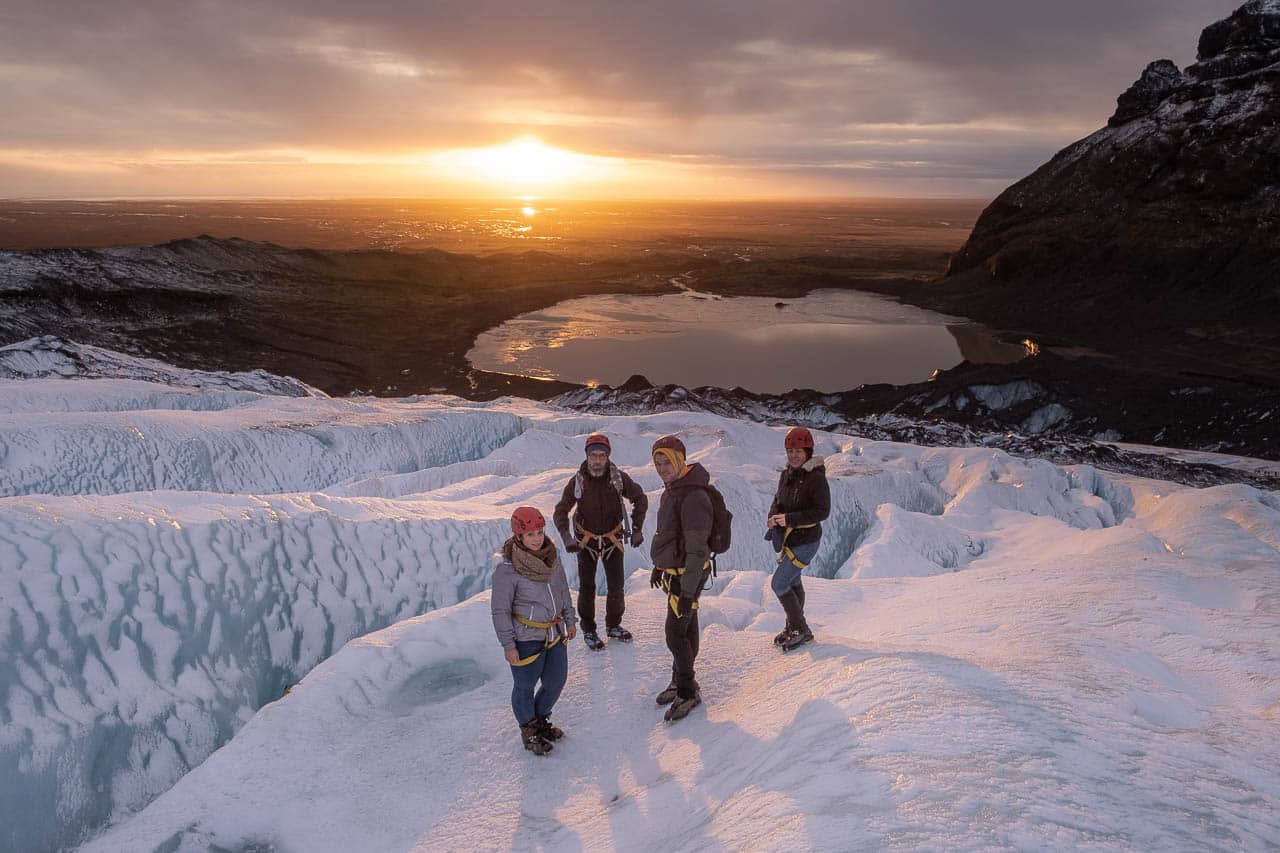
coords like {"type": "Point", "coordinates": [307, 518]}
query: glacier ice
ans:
{"type": "Point", "coordinates": [173, 558]}
{"type": "Point", "coordinates": [260, 445]}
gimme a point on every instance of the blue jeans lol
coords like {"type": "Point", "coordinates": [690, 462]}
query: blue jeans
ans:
{"type": "Point", "coordinates": [787, 574]}
{"type": "Point", "coordinates": [552, 666]}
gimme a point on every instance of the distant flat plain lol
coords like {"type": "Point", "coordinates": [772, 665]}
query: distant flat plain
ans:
{"type": "Point", "coordinates": [755, 229]}
{"type": "Point", "coordinates": [383, 309]}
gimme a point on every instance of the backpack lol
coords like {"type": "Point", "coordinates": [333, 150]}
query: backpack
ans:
{"type": "Point", "coordinates": [721, 522]}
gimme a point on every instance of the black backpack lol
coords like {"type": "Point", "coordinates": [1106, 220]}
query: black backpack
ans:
{"type": "Point", "coordinates": [721, 521]}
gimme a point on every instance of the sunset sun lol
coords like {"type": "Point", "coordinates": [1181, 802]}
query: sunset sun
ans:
{"type": "Point", "coordinates": [523, 163]}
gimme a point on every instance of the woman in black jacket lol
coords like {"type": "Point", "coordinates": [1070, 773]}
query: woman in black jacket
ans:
{"type": "Point", "coordinates": [802, 502]}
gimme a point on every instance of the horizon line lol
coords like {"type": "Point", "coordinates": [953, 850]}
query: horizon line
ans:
{"type": "Point", "coordinates": [528, 198]}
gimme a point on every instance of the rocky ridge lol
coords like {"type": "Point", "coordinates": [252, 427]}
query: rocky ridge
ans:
{"type": "Point", "coordinates": [1026, 410]}
{"type": "Point", "coordinates": [1162, 228]}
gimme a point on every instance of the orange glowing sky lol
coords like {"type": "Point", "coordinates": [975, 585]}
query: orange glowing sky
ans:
{"type": "Point", "coordinates": [720, 98]}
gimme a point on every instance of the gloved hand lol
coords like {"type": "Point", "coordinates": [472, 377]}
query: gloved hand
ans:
{"type": "Point", "coordinates": [573, 548]}
{"type": "Point", "coordinates": [637, 537]}
{"type": "Point", "coordinates": [655, 578]}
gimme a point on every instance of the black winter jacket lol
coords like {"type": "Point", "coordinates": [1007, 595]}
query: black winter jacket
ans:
{"type": "Point", "coordinates": [803, 494]}
{"type": "Point", "coordinates": [599, 509]}
{"type": "Point", "coordinates": [684, 527]}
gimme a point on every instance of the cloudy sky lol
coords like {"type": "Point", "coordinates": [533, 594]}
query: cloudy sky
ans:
{"type": "Point", "coordinates": [659, 98]}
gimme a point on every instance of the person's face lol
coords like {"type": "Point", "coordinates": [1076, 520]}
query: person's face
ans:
{"type": "Point", "coordinates": [532, 539]}
{"type": "Point", "coordinates": [663, 466]}
{"type": "Point", "coordinates": [597, 461]}
{"type": "Point", "coordinates": [796, 456]}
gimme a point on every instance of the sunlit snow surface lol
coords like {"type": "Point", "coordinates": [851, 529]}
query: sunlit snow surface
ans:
{"type": "Point", "coordinates": [1010, 655]}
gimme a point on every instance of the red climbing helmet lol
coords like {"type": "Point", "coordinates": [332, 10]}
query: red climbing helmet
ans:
{"type": "Point", "coordinates": [670, 442]}
{"type": "Point", "coordinates": [598, 438]}
{"type": "Point", "coordinates": [798, 437]}
{"type": "Point", "coordinates": [526, 519]}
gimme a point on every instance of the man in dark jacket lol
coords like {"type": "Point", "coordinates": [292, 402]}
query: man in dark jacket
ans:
{"type": "Point", "coordinates": [681, 558]}
{"type": "Point", "coordinates": [599, 533]}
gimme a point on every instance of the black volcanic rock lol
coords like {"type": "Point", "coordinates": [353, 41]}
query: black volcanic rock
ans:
{"type": "Point", "coordinates": [1244, 42]}
{"type": "Point", "coordinates": [1051, 407]}
{"type": "Point", "coordinates": [637, 382]}
{"type": "Point", "coordinates": [1165, 223]}
{"type": "Point", "coordinates": [1157, 82]}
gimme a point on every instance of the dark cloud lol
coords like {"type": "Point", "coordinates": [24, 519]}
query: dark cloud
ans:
{"type": "Point", "coordinates": [757, 83]}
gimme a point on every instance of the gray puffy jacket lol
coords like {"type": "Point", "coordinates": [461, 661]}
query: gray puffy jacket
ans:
{"type": "Point", "coordinates": [513, 593]}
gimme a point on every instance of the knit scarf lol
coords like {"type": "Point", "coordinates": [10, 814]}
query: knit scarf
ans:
{"type": "Point", "coordinates": [537, 565]}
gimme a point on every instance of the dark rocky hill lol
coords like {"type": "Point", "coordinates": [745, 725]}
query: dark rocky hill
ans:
{"type": "Point", "coordinates": [344, 321]}
{"type": "Point", "coordinates": [1161, 231]}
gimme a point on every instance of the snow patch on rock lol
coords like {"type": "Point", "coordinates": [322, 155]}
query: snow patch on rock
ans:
{"type": "Point", "coordinates": [49, 356]}
{"type": "Point", "coordinates": [1007, 395]}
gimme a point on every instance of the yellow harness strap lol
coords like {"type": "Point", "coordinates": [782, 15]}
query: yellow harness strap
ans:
{"type": "Point", "coordinates": [673, 601]}
{"type": "Point", "coordinates": [786, 549]}
{"type": "Point", "coordinates": [549, 643]}
{"type": "Point", "coordinates": [611, 537]}
{"type": "Point", "coordinates": [529, 623]}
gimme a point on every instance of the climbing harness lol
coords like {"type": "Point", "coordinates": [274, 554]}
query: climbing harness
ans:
{"type": "Point", "coordinates": [600, 548]}
{"type": "Point", "coordinates": [618, 535]}
{"type": "Point", "coordinates": [673, 601]}
{"type": "Point", "coordinates": [786, 552]}
{"type": "Point", "coordinates": [550, 642]}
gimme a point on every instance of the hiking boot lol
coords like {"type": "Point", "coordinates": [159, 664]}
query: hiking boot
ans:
{"type": "Point", "coordinates": [593, 641]}
{"type": "Point", "coordinates": [617, 632]}
{"type": "Point", "coordinates": [682, 706]}
{"type": "Point", "coordinates": [797, 638]}
{"type": "Point", "coordinates": [781, 637]}
{"type": "Point", "coordinates": [547, 730]}
{"type": "Point", "coordinates": [666, 697]}
{"type": "Point", "coordinates": [534, 740]}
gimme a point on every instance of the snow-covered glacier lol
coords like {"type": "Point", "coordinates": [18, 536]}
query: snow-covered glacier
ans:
{"type": "Point", "coordinates": [1110, 688]}
{"type": "Point", "coordinates": [174, 556]}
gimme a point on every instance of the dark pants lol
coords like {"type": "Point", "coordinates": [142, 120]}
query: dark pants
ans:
{"type": "Point", "coordinates": [614, 603]}
{"type": "Point", "coordinates": [682, 640]}
{"type": "Point", "coordinates": [552, 666]}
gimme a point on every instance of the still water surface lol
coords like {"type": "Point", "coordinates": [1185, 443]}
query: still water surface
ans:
{"type": "Point", "coordinates": [830, 340]}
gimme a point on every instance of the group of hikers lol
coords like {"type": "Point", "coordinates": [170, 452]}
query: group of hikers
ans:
{"type": "Point", "coordinates": [533, 613]}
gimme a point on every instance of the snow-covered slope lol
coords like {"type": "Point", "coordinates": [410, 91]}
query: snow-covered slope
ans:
{"type": "Point", "coordinates": [1014, 653]}
{"type": "Point", "coordinates": [69, 437]}
{"type": "Point", "coordinates": [1104, 689]}
{"type": "Point", "coordinates": [50, 356]}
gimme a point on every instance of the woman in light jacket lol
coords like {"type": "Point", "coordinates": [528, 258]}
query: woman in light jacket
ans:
{"type": "Point", "coordinates": [533, 618]}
